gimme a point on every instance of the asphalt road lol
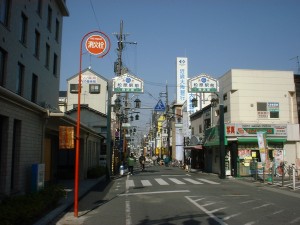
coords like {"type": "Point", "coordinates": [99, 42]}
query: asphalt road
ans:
{"type": "Point", "coordinates": [168, 195]}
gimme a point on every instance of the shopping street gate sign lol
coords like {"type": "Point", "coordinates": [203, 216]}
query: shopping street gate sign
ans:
{"type": "Point", "coordinates": [202, 83]}
{"type": "Point", "coordinates": [127, 83]}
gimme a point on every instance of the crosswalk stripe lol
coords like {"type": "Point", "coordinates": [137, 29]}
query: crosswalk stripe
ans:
{"type": "Point", "coordinates": [146, 183]}
{"type": "Point", "coordinates": [207, 181]}
{"type": "Point", "coordinates": [192, 181]}
{"type": "Point", "coordinates": [161, 181]}
{"type": "Point", "coordinates": [129, 183]}
{"type": "Point", "coordinates": [176, 181]}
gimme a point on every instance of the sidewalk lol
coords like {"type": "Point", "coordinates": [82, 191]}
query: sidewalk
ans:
{"type": "Point", "coordinates": [84, 187]}
{"type": "Point", "coordinates": [274, 187]}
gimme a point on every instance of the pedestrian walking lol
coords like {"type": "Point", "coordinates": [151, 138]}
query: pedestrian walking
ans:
{"type": "Point", "coordinates": [142, 160]}
{"type": "Point", "coordinates": [188, 163]}
{"type": "Point", "coordinates": [154, 158]}
{"type": "Point", "coordinates": [131, 161]}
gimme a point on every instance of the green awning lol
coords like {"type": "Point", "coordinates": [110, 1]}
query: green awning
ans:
{"type": "Point", "coordinates": [211, 137]}
{"type": "Point", "coordinates": [254, 139]}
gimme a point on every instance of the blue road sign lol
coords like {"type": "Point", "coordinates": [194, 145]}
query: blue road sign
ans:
{"type": "Point", "coordinates": [160, 106]}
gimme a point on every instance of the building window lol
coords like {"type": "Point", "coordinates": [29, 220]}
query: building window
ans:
{"type": "Point", "coordinates": [37, 41]}
{"type": "Point", "coordinates": [24, 27]}
{"type": "Point", "coordinates": [57, 27]}
{"type": "Point", "coordinates": [73, 88]}
{"type": "Point", "coordinates": [39, 7]}
{"type": "Point", "coordinates": [15, 155]}
{"type": "Point", "coordinates": [49, 18]}
{"type": "Point", "coordinates": [225, 109]}
{"type": "Point", "coordinates": [94, 88]}
{"type": "Point", "coordinates": [34, 88]}
{"type": "Point", "coordinates": [4, 11]}
{"type": "Point", "coordinates": [192, 130]}
{"type": "Point", "coordinates": [81, 105]}
{"type": "Point", "coordinates": [55, 64]}
{"type": "Point", "coordinates": [225, 97]}
{"type": "Point", "coordinates": [4, 128]}
{"type": "Point", "coordinates": [200, 129]}
{"type": "Point", "coordinates": [20, 79]}
{"type": "Point", "coordinates": [267, 110]}
{"type": "Point", "coordinates": [3, 62]}
{"type": "Point", "coordinates": [47, 59]}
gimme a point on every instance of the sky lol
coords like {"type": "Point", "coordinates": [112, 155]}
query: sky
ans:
{"type": "Point", "coordinates": [215, 36]}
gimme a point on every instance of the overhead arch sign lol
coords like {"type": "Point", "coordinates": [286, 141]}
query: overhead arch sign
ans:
{"type": "Point", "coordinates": [127, 83]}
{"type": "Point", "coordinates": [203, 83]}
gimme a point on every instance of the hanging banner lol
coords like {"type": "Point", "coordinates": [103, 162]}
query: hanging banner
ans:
{"type": "Point", "coordinates": [66, 137]}
{"type": "Point", "coordinates": [263, 150]}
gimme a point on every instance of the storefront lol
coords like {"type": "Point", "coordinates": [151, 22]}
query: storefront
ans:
{"type": "Point", "coordinates": [212, 151]}
{"type": "Point", "coordinates": [195, 150]}
{"type": "Point", "coordinates": [249, 158]}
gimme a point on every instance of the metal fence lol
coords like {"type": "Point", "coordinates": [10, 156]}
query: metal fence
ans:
{"type": "Point", "coordinates": [283, 175]}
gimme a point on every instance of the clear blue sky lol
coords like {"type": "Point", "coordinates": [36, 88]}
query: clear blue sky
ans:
{"type": "Point", "coordinates": [215, 36]}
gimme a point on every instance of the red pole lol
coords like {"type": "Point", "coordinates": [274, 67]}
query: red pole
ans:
{"type": "Point", "coordinates": [76, 179]}
{"type": "Point", "coordinates": [77, 139]}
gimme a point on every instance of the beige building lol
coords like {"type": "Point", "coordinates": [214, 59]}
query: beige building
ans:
{"type": "Point", "coordinates": [254, 101]}
{"type": "Point", "coordinates": [94, 92]}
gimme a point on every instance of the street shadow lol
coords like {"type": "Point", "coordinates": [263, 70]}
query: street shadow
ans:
{"type": "Point", "coordinates": [96, 197]}
{"type": "Point", "coordinates": [187, 220]}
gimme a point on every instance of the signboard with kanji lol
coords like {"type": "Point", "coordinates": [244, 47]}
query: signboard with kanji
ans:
{"type": "Point", "coordinates": [203, 83]}
{"type": "Point", "coordinates": [253, 129]}
{"type": "Point", "coordinates": [127, 83]}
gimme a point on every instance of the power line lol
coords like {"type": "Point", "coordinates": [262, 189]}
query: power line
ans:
{"type": "Point", "coordinates": [95, 14]}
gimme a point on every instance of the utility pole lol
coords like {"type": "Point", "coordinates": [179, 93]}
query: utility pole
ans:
{"type": "Point", "coordinates": [119, 69]}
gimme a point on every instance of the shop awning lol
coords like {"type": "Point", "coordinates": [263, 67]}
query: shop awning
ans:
{"type": "Point", "coordinates": [193, 147]}
{"type": "Point", "coordinates": [254, 139]}
{"type": "Point", "coordinates": [211, 137]}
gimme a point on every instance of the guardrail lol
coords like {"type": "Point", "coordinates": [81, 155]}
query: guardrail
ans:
{"type": "Point", "coordinates": [283, 175]}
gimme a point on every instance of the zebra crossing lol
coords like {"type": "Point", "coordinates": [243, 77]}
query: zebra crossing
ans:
{"type": "Point", "coordinates": [168, 181]}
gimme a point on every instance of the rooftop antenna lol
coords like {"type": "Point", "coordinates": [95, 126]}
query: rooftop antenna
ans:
{"type": "Point", "coordinates": [298, 63]}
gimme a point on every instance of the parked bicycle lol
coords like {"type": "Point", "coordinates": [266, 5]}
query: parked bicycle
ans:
{"type": "Point", "coordinates": [284, 170]}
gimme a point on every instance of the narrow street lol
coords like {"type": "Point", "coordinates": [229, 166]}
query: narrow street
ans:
{"type": "Point", "coordinates": [169, 195]}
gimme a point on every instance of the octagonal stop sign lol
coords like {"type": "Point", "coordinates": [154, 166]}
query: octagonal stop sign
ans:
{"type": "Point", "coordinates": [95, 44]}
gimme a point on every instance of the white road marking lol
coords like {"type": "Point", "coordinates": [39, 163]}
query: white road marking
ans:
{"type": "Point", "coordinates": [129, 183]}
{"type": "Point", "coordinates": [231, 216]}
{"type": "Point", "coordinates": [161, 181]}
{"type": "Point", "coordinates": [261, 206]}
{"type": "Point", "coordinates": [146, 183]}
{"type": "Point", "coordinates": [176, 181]}
{"type": "Point", "coordinates": [192, 181]}
{"type": "Point", "coordinates": [154, 192]}
{"type": "Point", "coordinates": [128, 213]}
{"type": "Point", "coordinates": [211, 215]}
{"type": "Point", "coordinates": [295, 220]}
{"type": "Point", "coordinates": [207, 181]}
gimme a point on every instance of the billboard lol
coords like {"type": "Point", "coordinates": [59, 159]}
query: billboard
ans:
{"type": "Point", "coordinates": [182, 75]}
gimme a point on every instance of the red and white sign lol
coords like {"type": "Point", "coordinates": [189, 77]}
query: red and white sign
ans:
{"type": "Point", "coordinates": [95, 44]}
